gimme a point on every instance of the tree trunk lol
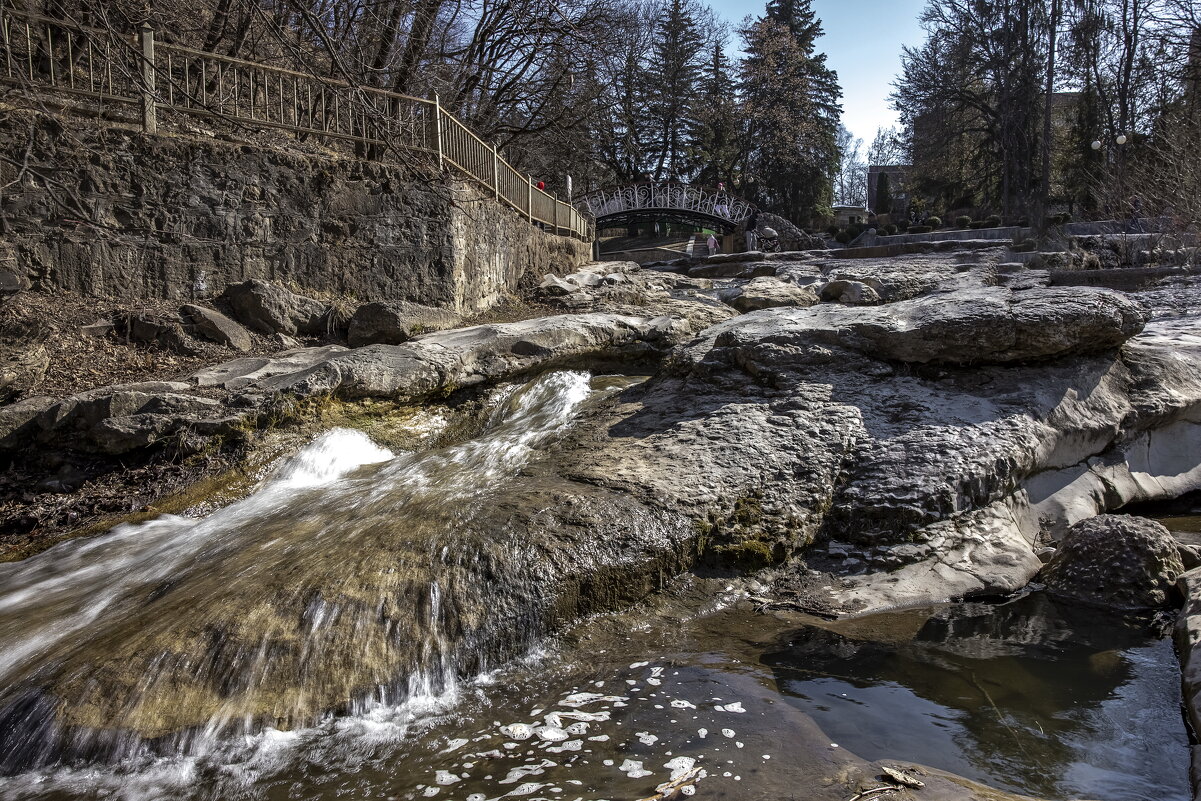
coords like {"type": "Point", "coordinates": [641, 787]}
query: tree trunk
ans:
{"type": "Point", "coordinates": [1044, 187]}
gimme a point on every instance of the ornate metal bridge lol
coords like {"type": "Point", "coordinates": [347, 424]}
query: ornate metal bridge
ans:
{"type": "Point", "coordinates": [674, 202]}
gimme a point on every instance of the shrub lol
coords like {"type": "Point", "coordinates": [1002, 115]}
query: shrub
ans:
{"type": "Point", "coordinates": [890, 229]}
{"type": "Point", "coordinates": [993, 220]}
{"type": "Point", "coordinates": [934, 222]}
{"type": "Point", "coordinates": [833, 230]}
{"type": "Point", "coordinates": [919, 229]}
{"type": "Point", "coordinates": [975, 225]}
{"type": "Point", "coordinates": [963, 221]}
{"type": "Point", "coordinates": [843, 237]}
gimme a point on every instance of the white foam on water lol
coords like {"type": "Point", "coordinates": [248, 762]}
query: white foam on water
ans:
{"type": "Point", "coordinates": [79, 585]}
{"type": "Point", "coordinates": [71, 586]}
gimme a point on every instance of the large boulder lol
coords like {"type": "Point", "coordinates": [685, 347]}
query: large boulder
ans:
{"type": "Point", "coordinates": [394, 322]}
{"type": "Point", "coordinates": [986, 325]}
{"type": "Point", "coordinates": [1116, 561]}
{"type": "Point", "coordinates": [554, 286]}
{"type": "Point", "coordinates": [768, 293]}
{"type": "Point", "coordinates": [216, 327]}
{"type": "Point", "coordinates": [852, 293]}
{"type": "Point", "coordinates": [791, 237]}
{"type": "Point", "coordinates": [18, 421]}
{"type": "Point", "coordinates": [11, 283]}
{"type": "Point", "coordinates": [271, 308]}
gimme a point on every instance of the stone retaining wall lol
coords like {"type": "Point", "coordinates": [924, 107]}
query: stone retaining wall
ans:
{"type": "Point", "coordinates": [111, 212]}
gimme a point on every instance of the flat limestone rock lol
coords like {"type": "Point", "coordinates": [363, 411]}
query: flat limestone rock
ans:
{"type": "Point", "coordinates": [768, 292]}
{"type": "Point", "coordinates": [394, 322]}
{"type": "Point", "coordinates": [756, 438]}
{"type": "Point", "coordinates": [465, 357]}
{"type": "Point", "coordinates": [244, 372]}
{"type": "Point", "coordinates": [215, 326]}
{"type": "Point", "coordinates": [987, 325]}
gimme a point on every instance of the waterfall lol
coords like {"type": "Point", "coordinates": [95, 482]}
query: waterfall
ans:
{"type": "Point", "coordinates": [351, 577]}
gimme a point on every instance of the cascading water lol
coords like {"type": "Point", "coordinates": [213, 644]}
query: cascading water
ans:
{"type": "Point", "coordinates": [351, 577]}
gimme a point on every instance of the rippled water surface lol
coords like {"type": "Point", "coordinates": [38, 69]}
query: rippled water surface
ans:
{"type": "Point", "coordinates": [1021, 696]}
{"type": "Point", "coordinates": [1027, 696]}
{"type": "Point", "coordinates": [1032, 696]}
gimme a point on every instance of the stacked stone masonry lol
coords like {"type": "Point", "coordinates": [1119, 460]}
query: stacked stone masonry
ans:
{"type": "Point", "coordinates": [109, 212]}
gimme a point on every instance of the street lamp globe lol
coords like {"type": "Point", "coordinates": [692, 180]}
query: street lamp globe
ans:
{"type": "Point", "coordinates": [1121, 140]}
{"type": "Point", "coordinates": [1096, 144]}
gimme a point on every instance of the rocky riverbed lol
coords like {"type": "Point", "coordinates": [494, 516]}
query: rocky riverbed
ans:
{"type": "Point", "coordinates": [867, 435]}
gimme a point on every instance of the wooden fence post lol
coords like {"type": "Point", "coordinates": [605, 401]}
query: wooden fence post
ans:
{"type": "Point", "coordinates": [495, 172]}
{"type": "Point", "coordinates": [438, 127]}
{"type": "Point", "coordinates": [149, 120]}
{"type": "Point", "coordinates": [529, 198]}
{"type": "Point", "coordinates": [555, 200]}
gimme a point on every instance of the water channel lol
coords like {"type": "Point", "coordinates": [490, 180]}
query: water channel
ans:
{"type": "Point", "coordinates": [1026, 695]}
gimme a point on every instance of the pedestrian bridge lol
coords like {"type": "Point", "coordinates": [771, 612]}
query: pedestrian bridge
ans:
{"type": "Point", "coordinates": [668, 202]}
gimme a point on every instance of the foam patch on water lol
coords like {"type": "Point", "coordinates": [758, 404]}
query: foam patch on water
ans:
{"type": "Point", "coordinates": [329, 457]}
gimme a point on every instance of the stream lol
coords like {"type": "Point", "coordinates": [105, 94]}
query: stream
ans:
{"type": "Point", "coordinates": [1026, 695]}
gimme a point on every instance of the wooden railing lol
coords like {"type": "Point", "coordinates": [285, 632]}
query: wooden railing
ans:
{"type": "Point", "coordinates": [136, 71]}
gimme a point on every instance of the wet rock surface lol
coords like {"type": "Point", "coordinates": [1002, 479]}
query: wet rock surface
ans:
{"type": "Point", "coordinates": [915, 450]}
{"type": "Point", "coordinates": [1120, 561]}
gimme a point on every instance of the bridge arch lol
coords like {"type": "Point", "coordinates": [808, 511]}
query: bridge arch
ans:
{"type": "Point", "coordinates": [705, 206]}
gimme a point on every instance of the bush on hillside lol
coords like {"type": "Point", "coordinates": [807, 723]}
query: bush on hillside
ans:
{"type": "Point", "coordinates": [963, 221]}
{"type": "Point", "coordinates": [934, 222]}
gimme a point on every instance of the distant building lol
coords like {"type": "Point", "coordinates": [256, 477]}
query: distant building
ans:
{"type": "Point", "coordinates": [898, 179]}
{"type": "Point", "coordinates": [848, 215]}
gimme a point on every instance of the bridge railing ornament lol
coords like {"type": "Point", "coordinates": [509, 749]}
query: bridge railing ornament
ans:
{"type": "Point", "coordinates": [114, 71]}
{"type": "Point", "coordinates": [709, 202]}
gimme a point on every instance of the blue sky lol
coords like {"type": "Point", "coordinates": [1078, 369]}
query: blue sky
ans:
{"type": "Point", "coordinates": [863, 44]}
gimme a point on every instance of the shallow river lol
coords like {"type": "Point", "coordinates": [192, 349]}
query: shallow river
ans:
{"type": "Point", "coordinates": [1024, 696]}
{"type": "Point", "coordinates": [1027, 696]}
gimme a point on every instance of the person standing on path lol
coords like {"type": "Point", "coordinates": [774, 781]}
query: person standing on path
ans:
{"type": "Point", "coordinates": [712, 242]}
{"type": "Point", "coordinates": [752, 231]}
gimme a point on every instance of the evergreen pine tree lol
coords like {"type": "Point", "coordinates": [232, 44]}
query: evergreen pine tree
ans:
{"type": "Point", "coordinates": [793, 111]}
{"type": "Point", "coordinates": [674, 73]}
{"type": "Point", "coordinates": [716, 147]}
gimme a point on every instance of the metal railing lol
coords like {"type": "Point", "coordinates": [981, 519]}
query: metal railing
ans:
{"type": "Point", "coordinates": [135, 70]}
